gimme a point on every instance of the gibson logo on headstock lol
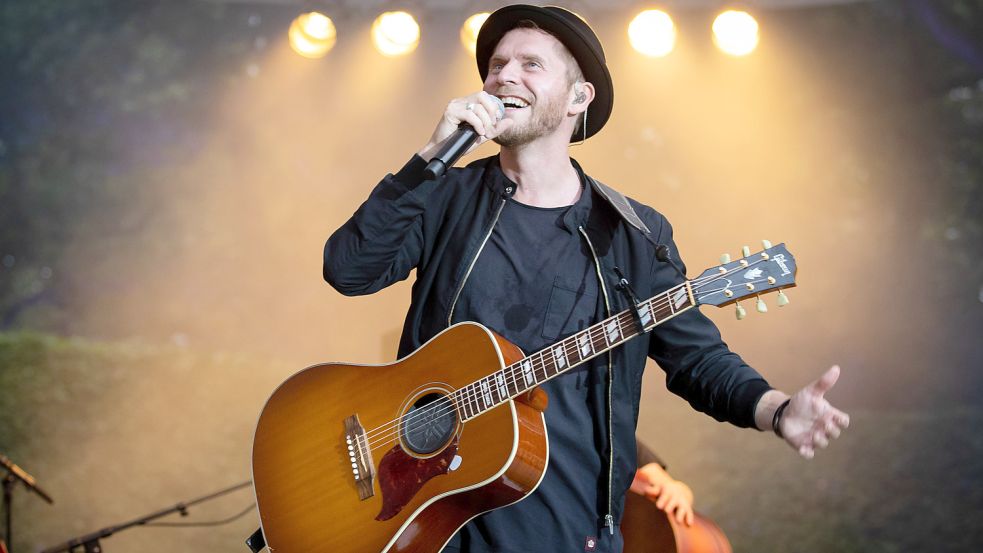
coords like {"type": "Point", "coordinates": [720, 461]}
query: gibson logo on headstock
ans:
{"type": "Point", "coordinates": [780, 259]}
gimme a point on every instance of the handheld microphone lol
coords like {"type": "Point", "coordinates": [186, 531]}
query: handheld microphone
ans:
{"type": "Point", "coordinates": [456, 145]}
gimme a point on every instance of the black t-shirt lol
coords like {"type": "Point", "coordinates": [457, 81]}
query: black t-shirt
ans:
{"type": "Point", "coordinates": [535, 283]}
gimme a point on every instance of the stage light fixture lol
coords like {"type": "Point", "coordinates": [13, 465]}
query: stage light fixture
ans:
{"type": "Point", "coordinates": [469, 31]}
{"type": "Point", "coordinates": [395, 34]}
{"type": "Point", "coordinates": [735, 32]}
{"type": "Point", "coordinates": [652, 33]}
{"type": "Point", "coordinates": [312, 35]}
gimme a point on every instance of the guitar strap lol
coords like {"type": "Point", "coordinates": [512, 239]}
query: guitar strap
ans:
{"type": "Point", "coordinates": [620, 203]}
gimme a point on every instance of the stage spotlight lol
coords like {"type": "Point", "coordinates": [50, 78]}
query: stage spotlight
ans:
{"type": "Point", "coordinates": [469, 31]}
{"type": "Point", "coordinates": [652, 33]}
{"type": "Point", "coordinates": [312, 34]}
{"type": "Point", "coordinates": [735, 33]}
{"type": "Point", "coordinates": [395, 34]}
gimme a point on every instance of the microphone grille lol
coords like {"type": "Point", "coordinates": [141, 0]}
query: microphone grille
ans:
{"type": "Point", "coordinates": [501, 106]}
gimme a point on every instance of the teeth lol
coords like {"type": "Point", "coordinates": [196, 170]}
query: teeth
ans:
{"type": "Point", "coordinates": [513, 101]}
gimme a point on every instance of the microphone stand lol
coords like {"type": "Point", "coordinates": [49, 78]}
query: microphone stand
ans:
{"type": "Point", "coordinates": [15, 474]}
{"type": "Point", "coordinates": [8, 488]}
{"type": "Point", "coordinates": [90, 542]}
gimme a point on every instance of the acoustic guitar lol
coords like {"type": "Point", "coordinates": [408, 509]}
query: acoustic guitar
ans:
{"type": "Point", "coordinates": [397, 457]}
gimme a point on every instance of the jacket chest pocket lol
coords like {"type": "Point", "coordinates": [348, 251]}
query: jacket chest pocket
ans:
{"type": "Point", "coordinates": [570, 308]}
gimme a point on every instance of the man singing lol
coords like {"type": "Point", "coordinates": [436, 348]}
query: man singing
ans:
{"type": "Point", "coordinates": [526, 243]}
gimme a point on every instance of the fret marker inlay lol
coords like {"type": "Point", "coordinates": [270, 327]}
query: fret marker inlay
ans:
{"type": "Point", "coordinates": [503, 392]}
{"type": "Point", "coordinates": [679, 298]}
{"type": "Point", "coordinates": [527, 372]}
{"type": "Point", "coordinates": [486, 393]}
{"type": "Point", "coordinates": [584, 342]}
{"type": "Point", "coordinates": [560, 356]}
{"type": "Point", "coordinates": [613, 331]}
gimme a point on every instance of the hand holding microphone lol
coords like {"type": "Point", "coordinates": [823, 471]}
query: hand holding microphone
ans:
{"type": "Point", "coordinates": [467, 123]}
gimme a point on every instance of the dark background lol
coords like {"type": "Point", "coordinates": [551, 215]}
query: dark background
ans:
{"type": "Point", "coordinates": [170, 170]}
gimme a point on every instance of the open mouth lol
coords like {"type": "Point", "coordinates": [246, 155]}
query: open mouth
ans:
{"type": "Point", "coordinates": [513, 102]}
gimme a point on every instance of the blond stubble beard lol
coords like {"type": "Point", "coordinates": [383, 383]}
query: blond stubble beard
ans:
{"type": "Point", "coordinates": [543, 122]}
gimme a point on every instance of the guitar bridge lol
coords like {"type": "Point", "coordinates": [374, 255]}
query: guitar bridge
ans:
{"type": "Point", "coordinates": [360, 457]}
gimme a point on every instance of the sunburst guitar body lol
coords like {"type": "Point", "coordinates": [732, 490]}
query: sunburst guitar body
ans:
{"type": "Point", "coordinates": [410, 484]}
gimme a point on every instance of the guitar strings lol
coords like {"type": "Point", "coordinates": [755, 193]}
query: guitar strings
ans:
{"type": "Point", "coordinates": [509, 374]}
{"type": "Point", "coordinates": [472, 394]}
{"type": "Point", "coordinates": [512, 372]}
{"type": "Point", "coordinates": [385, 433]}
{"type": "Point", "coordinates": [446, 404]}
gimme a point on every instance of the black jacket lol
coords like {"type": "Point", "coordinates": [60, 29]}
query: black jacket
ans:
{"type": "Point", "coordinates": [439, 227]}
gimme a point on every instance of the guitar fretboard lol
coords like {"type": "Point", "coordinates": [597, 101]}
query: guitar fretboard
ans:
{"type": "Point", "coordinates": [500, 386]}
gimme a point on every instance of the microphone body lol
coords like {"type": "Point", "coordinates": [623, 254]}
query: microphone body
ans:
{"type": "Point", "coordinates": [456, 145]}
{"type": "Point", "coordinates": [450, 151]}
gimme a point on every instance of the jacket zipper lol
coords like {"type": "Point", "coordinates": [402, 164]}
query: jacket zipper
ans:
{"type": "Point", "coordinates": [609, 517]}
{"type": "Point", "coordinates": [501, 206]}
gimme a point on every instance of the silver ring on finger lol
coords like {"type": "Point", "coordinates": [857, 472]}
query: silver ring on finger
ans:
{"type": "Point", "coordinates": [469, 107]}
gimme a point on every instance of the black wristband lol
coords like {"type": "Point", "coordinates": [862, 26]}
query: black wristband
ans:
{"type": "Point", "coordinates": [776, 420]}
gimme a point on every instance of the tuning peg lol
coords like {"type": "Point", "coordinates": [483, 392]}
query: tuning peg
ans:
{"type": "Point", "coordinates": [782, 298]}
{"type": "Point", "coordinates": [766, 244]}
{"type": "Point", "coordinates": [762, 308]}
{"type": "Point", "coordinates": [725, 258]}
{"type": "Point", "coordinates": [741, 313]}
{"type": "Point", "coordinates": [746, 251]}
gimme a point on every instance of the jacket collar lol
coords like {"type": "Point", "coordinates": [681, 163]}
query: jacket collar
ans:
{"type": "Point", "coordinates": [502, 186]}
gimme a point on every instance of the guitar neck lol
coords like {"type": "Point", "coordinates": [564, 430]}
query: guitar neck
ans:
{"type": "Point", "coordinates": [552, 361]}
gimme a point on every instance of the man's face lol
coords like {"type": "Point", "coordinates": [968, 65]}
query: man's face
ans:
{"type": "Point", "coordinates": [529, 74]}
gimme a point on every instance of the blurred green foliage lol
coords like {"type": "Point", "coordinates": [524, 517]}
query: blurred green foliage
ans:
{"type": "Point", "coordinates": [96, 95]}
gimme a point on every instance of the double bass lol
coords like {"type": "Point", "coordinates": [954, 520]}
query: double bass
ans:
{"type": "Point", "coordinates": [648, 529]}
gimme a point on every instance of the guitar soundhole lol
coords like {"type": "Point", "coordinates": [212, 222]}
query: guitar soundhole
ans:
{"type": "Point", "coordinates": [429, 424]}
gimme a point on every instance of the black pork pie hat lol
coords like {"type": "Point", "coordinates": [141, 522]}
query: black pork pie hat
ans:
{"type": "Point", "coordinates": [574, 33]}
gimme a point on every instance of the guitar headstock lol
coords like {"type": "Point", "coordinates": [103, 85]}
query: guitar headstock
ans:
{"type": "Point", "coordinates": [769, 270]}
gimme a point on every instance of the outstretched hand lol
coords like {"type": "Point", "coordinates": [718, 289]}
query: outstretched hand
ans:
{"type": "Point", "coordinates": [810, 422]}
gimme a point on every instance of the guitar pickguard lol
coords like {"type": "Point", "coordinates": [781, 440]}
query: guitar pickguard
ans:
{"type": "Point", "coordinates": [401, 476]}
